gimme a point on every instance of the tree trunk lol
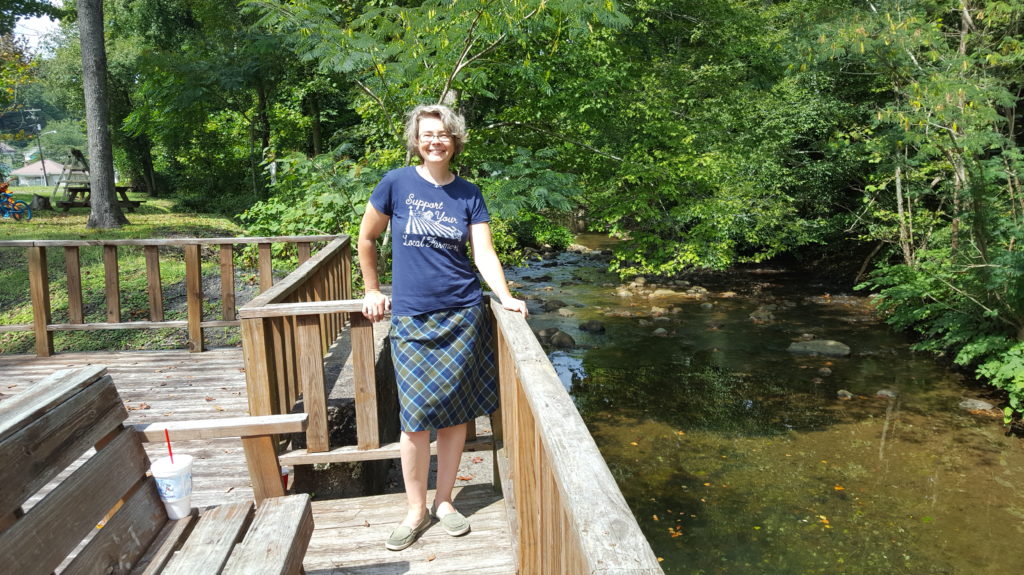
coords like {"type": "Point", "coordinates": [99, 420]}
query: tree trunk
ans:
{"type": "Point", "coordinates": [905, 222]}
{"type": "Point", "coordinates": [105, 213]}
{"type": "Point", "coordinates": [314, 120]}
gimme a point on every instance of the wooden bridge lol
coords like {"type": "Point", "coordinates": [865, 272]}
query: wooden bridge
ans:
{"type": "Point", "coordinates": [553, 506]}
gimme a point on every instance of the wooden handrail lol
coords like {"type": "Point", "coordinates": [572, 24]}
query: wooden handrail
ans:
{"type": "Point", "coordinates": [286, 332]}
{"type": "Point", "coordinates": [42, 323]}
{"type": "Point", "coordinates": [568, 514]}
{"type": "Point", "coordinates": [300, 308]}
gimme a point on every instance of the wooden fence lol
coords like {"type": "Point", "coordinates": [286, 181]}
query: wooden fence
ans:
{"type": "Point", "coordinates": [567, 511]}
{"type": "Point", "coordinates": [40, 285]}
{"type": "Point", "coordinates": [286, 332]}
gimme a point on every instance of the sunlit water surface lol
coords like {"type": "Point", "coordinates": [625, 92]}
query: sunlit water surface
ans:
{"type": "Point", "coordinates": [737, 456]}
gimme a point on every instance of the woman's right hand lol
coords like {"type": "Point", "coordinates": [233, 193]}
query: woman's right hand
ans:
{"type": "Point", "coordinates": [375, 304]}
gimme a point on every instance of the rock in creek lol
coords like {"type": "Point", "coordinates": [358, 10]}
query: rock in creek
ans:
{"type": "Point", "coordinates": [886, 393]}
{"type": "Point", "coordinates": [844, 395]}
{"type": "Point", "coordinates": [820, 347]}
{"type": "Point", "coordinates": [553, 305]}
{"type": "Point", "coordinates": [593, 326]}
{"type": "Point", "coordinates": [563, 340]}
{"type": "Point", "coordinates": [975, 405]}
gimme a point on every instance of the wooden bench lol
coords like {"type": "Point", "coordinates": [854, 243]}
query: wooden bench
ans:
{"type": "Point", "coordinates": [104, 515]}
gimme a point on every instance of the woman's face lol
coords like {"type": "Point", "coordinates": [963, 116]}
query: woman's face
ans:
{"type": "Point", "coordinates": [435, 142]}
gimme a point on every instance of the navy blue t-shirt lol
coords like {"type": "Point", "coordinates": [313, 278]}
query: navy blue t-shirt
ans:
{"type": "Point", "coordinates": [430, 267]}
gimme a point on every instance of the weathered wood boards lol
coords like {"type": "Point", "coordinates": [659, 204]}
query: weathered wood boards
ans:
{"type": "Point", "coordinates": [571, 515]}
{"type": "Point", "coordinates": [108, 502]}
{"type": "Point", "coordinates": [350, 535]}
{"type": "Point", "coordinates": [42, 324]}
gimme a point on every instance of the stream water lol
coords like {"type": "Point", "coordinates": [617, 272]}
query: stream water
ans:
{"type": "Point", "coordinates": [738, 456]}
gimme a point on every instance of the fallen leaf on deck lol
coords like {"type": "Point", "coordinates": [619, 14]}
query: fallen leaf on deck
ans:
{"type": "Point", "coordinates": [218, 408]}
{"type": "Point", "coordinates": [366, 523]}
{"type": "Point", "coordinates": [463, 477]}
{"type": "Point", "coordinates": [431, 557]}
{"type": "Point", "coordinates": [478, 459]}
{"type": "Point", "coordinates": [142, 405]}
{"type": "Point", "coordinates": [208, 398]}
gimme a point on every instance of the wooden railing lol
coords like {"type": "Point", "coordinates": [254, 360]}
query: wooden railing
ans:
{"type": "Point", "coordinates": [286, 332]}
{"type": "Point", "coordinates": [567, 512]}
{"type": "Point", "coordinates": [39, 284]}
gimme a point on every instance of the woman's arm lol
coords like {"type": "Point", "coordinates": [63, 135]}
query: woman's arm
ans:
{"type": "Point", "coordinates": [373, 225]}
{"type": "Point", "coordinates": [490, 267]}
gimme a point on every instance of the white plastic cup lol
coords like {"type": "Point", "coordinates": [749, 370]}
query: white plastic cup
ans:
{"type": "Point", "coordinates": [174, 483]}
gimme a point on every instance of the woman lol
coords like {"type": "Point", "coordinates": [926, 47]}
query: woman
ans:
{"type": "Point", "coordinates": [440, 336]}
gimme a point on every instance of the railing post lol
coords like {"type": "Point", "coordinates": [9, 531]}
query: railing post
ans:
{"type": "Point", "coordinates": [266, 267]}
{"type": "Point", "coordinates": [303, 249]}
{"type": "Point", "coordinates": [365, 381]}
{"type": "Point", "coordinates": [39, 286]}
{"type": "Point", "coordinates": [227, 283]}
{"type": "Point", "coordinates": [112, 284]}
{"type": "Point", "coordinates": [154, 288]}
{"type": "Point", "coordinates": [194, 297]}
{"type": "Point", "coordinates": [256, 354]}
{"type": "Point", "coordinates": [73, 271]}
{"type": "Point", "coordinates": [311, 376]}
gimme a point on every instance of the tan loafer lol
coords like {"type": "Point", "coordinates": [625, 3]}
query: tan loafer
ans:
{"type": "Point", "coordinates": [453, 523]}
{"type": "Point", "coordinates": [404, 536]}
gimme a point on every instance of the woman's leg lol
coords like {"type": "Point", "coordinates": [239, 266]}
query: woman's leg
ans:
{"type": "Point", "coordinates": [415, 450]}
{"type": "Point", "coordinates": [450, 442]}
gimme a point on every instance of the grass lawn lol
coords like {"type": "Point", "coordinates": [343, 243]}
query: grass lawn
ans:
{"type": "Point", "coordinates": [156, 218]}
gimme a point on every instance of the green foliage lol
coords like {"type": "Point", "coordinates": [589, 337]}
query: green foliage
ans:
{"type": "Point", "coordinates": [541, 231]}
{"type": "Point", "coordinates": [322, 195]}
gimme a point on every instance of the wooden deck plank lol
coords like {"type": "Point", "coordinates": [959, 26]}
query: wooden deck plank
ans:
{"type": "Point", "coordinates": [349, 534]}
{"type": "Point", "coordinates": [175, 386]}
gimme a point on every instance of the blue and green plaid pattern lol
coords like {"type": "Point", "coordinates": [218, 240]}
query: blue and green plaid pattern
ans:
{"type": "Point", "coordinates": [444, 366]}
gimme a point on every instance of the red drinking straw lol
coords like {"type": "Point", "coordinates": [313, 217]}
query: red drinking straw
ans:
{"type": "Point", "coordinates": [167, 436]}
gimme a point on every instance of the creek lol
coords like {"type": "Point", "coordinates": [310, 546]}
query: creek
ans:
{"type": "Point", "coordinates": [739, 456]}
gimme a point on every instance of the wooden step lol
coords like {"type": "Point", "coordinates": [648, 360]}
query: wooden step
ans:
{"type": "Point", "coordinates": [350, 453]}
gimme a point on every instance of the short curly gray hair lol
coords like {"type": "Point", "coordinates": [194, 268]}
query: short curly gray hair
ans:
{"type": "Point", "coordinates": [452, 120]}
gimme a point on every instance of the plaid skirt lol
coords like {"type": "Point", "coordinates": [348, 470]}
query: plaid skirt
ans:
{"type": "Point", "coordinates": [444, 366]}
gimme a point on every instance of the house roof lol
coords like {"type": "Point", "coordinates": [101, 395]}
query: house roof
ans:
{"type": "Point", "coordinates": [36, 169]}
{"type": "Point", "coordinates": [7, 149]}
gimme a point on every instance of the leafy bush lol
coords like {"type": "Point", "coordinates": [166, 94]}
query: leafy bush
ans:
{"type": "Point", "coordinates": [324, 195]}
{"type": "Point", "coordinates": [538, 231]}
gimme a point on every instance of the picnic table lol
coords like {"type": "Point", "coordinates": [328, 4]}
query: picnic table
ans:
{"type": "Point", "coordinates": [104, 515]}
{"type": "Point", "coordinates": [77, 195]}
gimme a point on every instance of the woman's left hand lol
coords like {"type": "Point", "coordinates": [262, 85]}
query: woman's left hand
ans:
{"type": "Point", "coordinates": [516, 305]}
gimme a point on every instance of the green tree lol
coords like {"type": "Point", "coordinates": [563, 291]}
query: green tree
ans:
{"type": "Point", "coordinates": [944, 190]}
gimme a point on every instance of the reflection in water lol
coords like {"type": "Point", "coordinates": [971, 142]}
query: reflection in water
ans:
{"type": "Point", "coordinates": [738, 457]}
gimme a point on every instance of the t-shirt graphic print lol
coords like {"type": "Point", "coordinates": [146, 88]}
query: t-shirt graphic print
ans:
{"type": "Point", "coordinates": [422, 222]}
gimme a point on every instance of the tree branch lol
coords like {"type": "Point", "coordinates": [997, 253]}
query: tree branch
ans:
{"type": "Point", "coordinates": [555, 135]}
{"type": "Point", "coordinates": [465, 60]}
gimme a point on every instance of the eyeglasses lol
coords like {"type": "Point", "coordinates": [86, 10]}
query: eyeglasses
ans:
{"type": "Point", "coordinates": [443, 138]}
